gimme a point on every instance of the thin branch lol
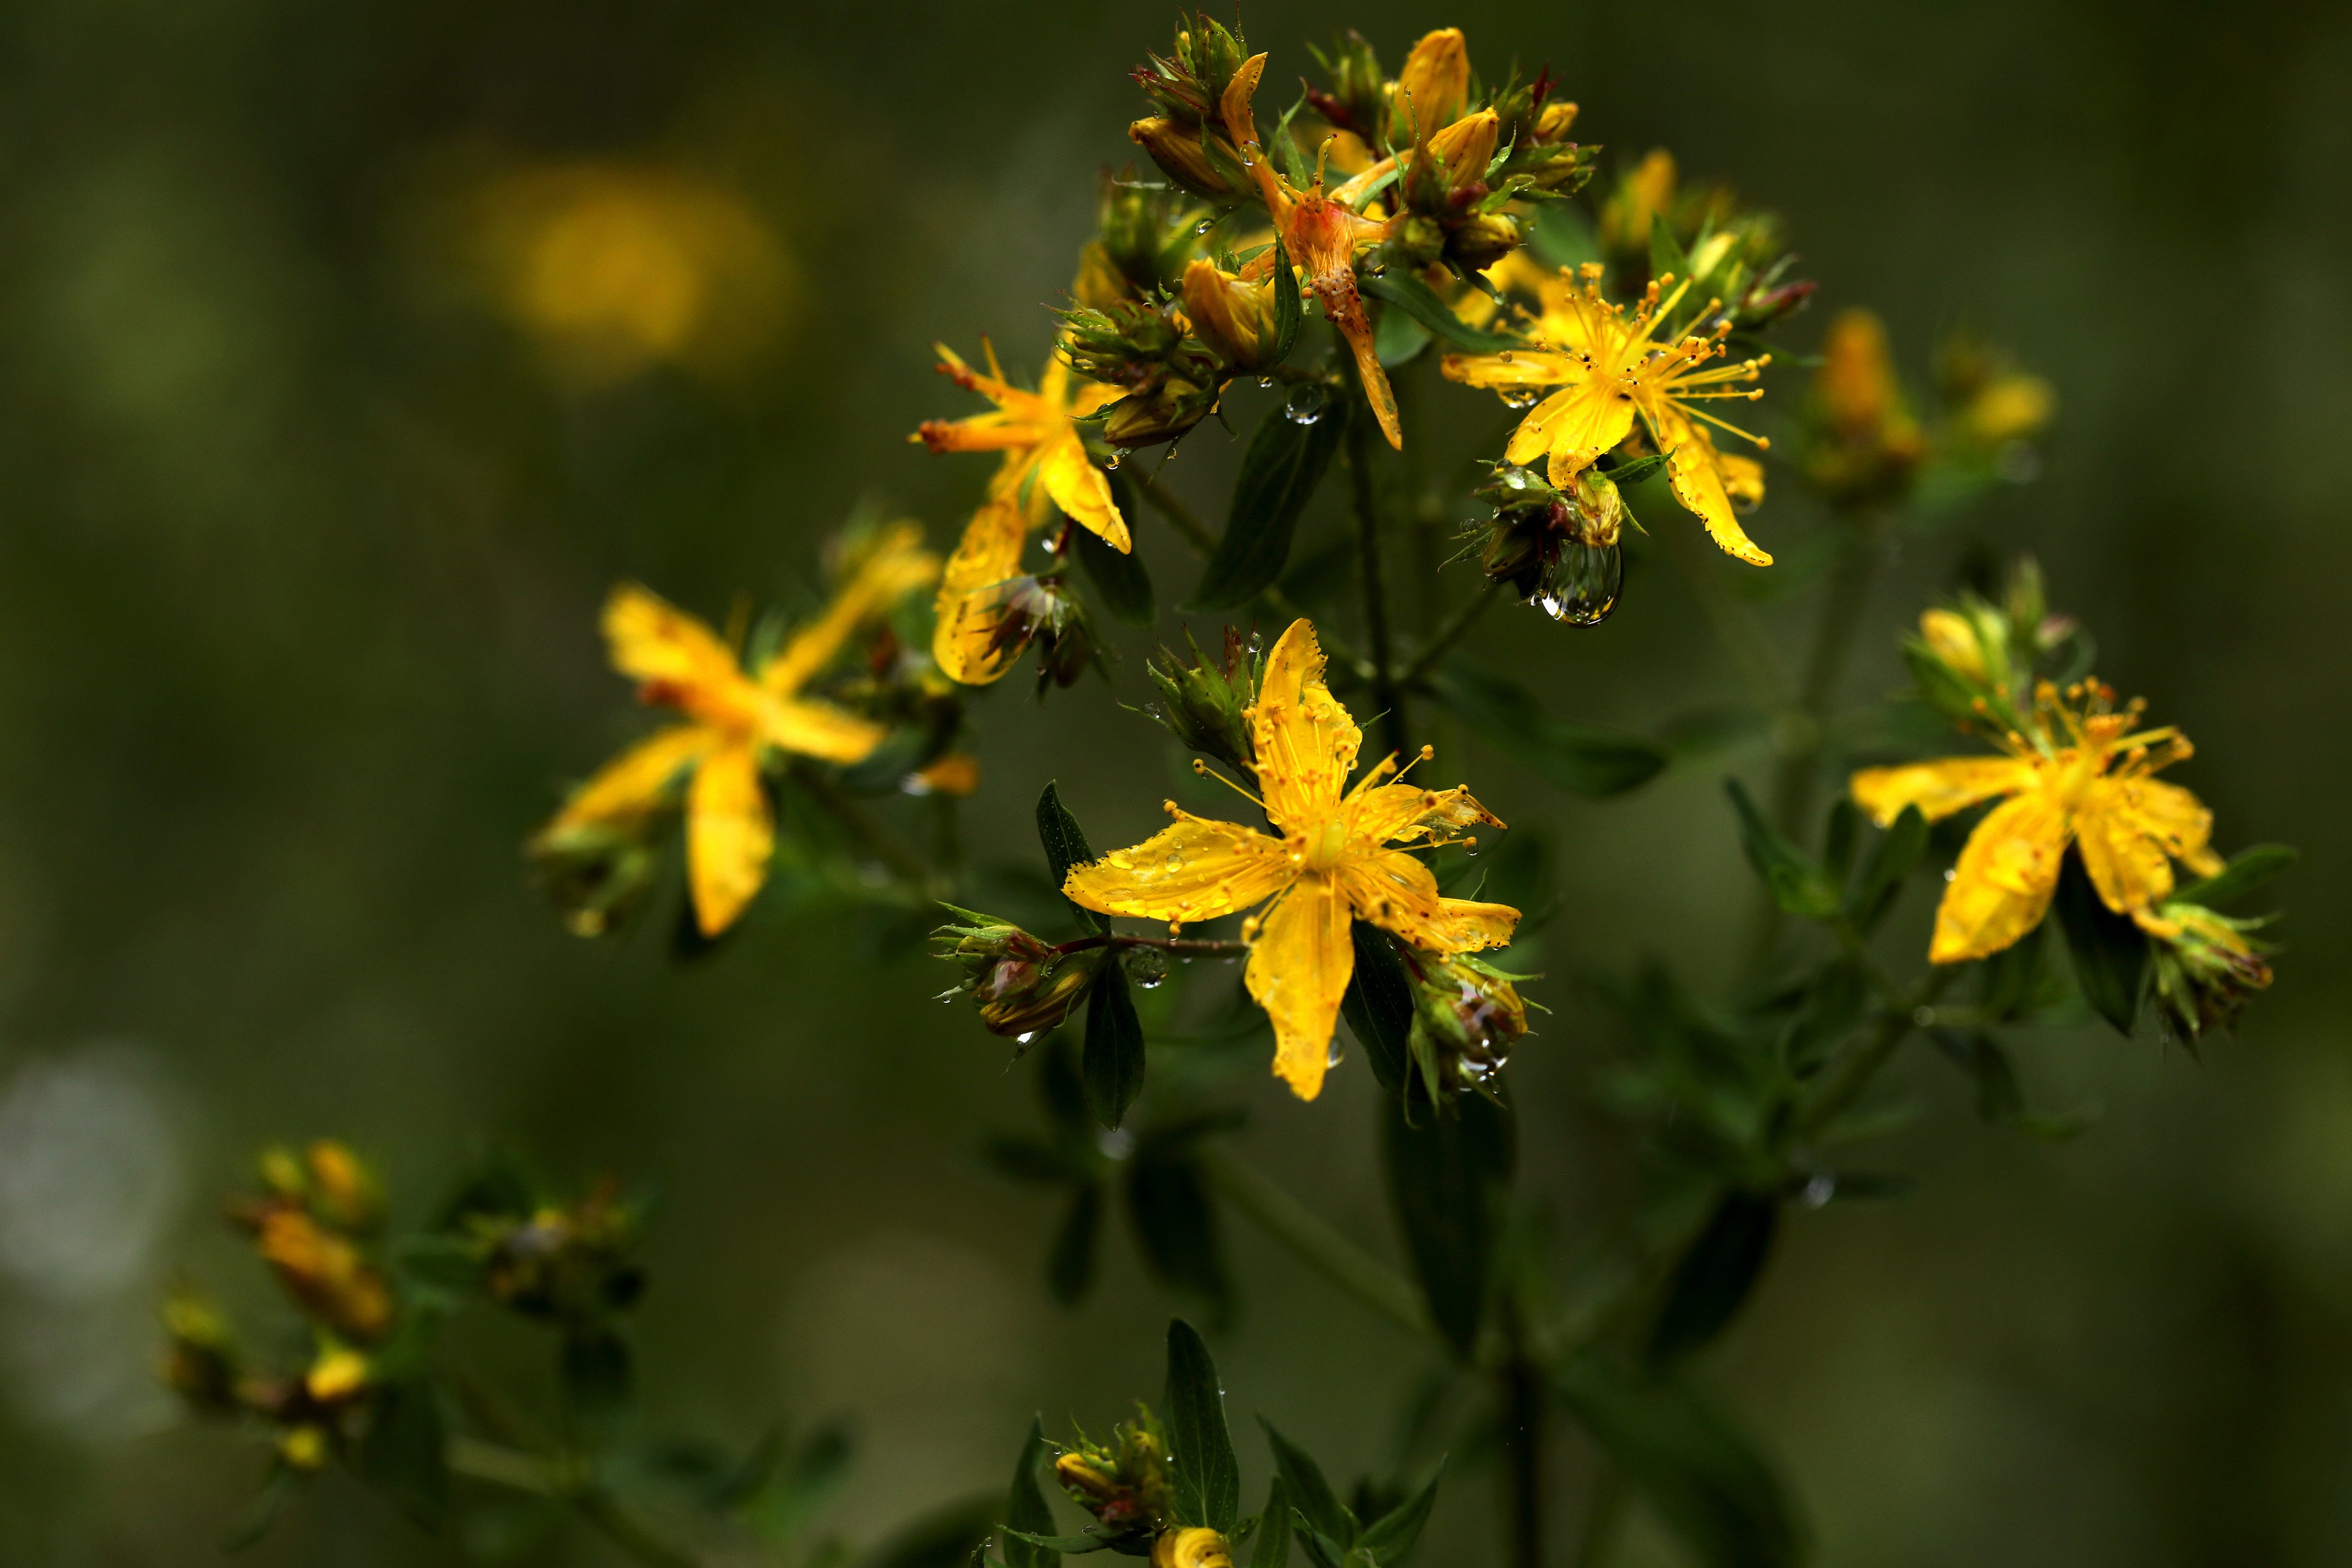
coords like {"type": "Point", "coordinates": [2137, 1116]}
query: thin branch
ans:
{"type": "Point", "coordinates": [1446, 636]}
{"type": "Point", "coordinates": [560, 1481]}
{"type": "Point", "coordinates": [1316, 1242]}
{"type": "Point", "coordinates": [1385, 691]}
{"type": "Point", "coordinates": [1187, 946]}
{"type": "Point", "coordinates": [1838, 1093]}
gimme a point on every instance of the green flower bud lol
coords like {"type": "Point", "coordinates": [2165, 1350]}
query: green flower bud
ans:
{"type": "Point", "coordinates": [1467, 1015]}
{"type": "Point", "coordinates": [1203, 704]}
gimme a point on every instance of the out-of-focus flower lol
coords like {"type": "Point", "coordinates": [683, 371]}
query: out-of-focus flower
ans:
{"type": "Point", "coordinates": [733, 717]}
{"type": "Point", "coordinates": [200, 1361]}
{"type": "Point", "coordinates": [1124, 1484]}
{"type": "Point", "coordinates": [1862, 443]}
{"type": "Point", "coordinates": [327, 1276]}
{"type": "Point", "coordinates": [2076, 772]}
{"type": "Point", "coordinates": [1195, 1546]}
{"type": "Point", "coordinates": [1612, 370]}
{"type": "Point", "coordinates": [1990, 404]}
{"type": "Point", "coordinates": [569, 1263]}
{"type": "Point", "coordinates": [1330, 865]}
{"type": "Point", "coordinates": [2206, 965]}
{"type": "Point", "coordinates": [614, 267]}
{"type": "Point", "coordinates": [1645, 195]}
{"type": "Point", "coordinates": [956, 773]}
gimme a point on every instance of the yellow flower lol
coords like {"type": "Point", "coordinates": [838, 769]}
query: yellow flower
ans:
{"type": "Point", "coordinates": [1610, 369]}
{"type": "Point", "coordinates": [733, 717]}
{"type": "Point", "coordinates": [1641, 199]}
{"type": "Point", "coordinates": [1321, 235]}
{"type": "Point", "coordinates": [1195, 1546]}
{"type": "Point", "coordinates": [2078, 773]}
{"type": "Point", "coordinates": [1045, 466]}
{"type": "Point", "coordinates": [1327, 863]}
{"type": "Point", "coordinates": [1430, 89]}
{"type": "Point", "coordinates": [330, 1277]}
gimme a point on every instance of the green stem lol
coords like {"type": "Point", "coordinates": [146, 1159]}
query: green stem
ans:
{"type": "Point", "coordinates": [1316, 1242]}
{"type": "Point", "coordinates": [1195, 947]}
{"type": "Point", "coordinates": [1853, 1075]}
{"type": "Point", "coordinates": [1446, 636]}
{"type": "Point", "coordinates": [1385, 691]}
{"type": "Point", "coordinates": [1181, 518]}
{"type": "Point", "coordinates": [1521, 1392]}
{"type": "Point", "coordinates": [868, 834]}
{"type": "Point", "coordinates": [1804, 730]}
{"type": "Point", "coordinates": [554, 1479]}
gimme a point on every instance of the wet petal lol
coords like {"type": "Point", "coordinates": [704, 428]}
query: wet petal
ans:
{"type": "Point", "coordinates": [1939, 788]}
{"type": "Point", "coordinates": [1195, 870]}
{"type": "Point", "coordinates": [1305, 740]}
{"type": "Point", "coordinates": [965, 642]}
{"type": "Point", "coordinates": [2174, 818]}
{"type": "Point", "coordinates": [1695, 473]}
{"type": "Point", "coordinates": [1397, 891]}
{"type": "Point", "coordinates": [1081, 490]}
{"type": "Point", "coordinates": [1521, 369]}
{"type": "Point", "coordinates": [1300, 967]}
{"type": "Point", "coordinates": [729, 834]}
{"type": "Point", "coordinates": [1402, 813]}
{"type": "Point", "coordinates": [2001, 887]}
{"type": "Point", "coordinates": [635, 781]}
{"type": "Point", "coordinates": [2128, 864]}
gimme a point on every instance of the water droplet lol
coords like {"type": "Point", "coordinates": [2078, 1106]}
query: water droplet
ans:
{"type": "Point", "coordinates": [1306, 404]}
{"type": "Point", "coordinates": [1205, 226]}
{"type": "Point", "coordinates": [1470, 847]}
{"type": "Point", "coordinates": [1333, 1056]}
{"type": "Point", "coordinates": [1111, 461]}
{"type": "Point", "coordinates": [1520, 397]}
{"type": "Point", "coordinates": [1819, 1190]}
{"type": "Point", "coordinates": [1582, 587]}
{"type": "Point", "coordinates": [1253, 643]}
{"type": "Point", "coordinates": [1024, 1039]}
{"type": "Point", "coordinates": [1265, 381]}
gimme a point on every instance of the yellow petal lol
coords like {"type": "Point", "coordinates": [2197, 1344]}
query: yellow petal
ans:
{"type": "Point", "coordinates": [821, 731]}
{"type": "Point", "coordinates": [1940, 788]}
{"type": "Point", "coordinates": [729, 834]}
{"type": "Point", "coordinates": [2128, 864]}
{"type": "Point", "coordinates": [1695, 472]}
{"type": "Point", "coordinates": [1466, 146]}
{"type": "Point", "coordinates": [1523, 368]}
{"type": "Point", "coordinates": [1432, 87]}
{"type": "Point", "coordinates": [896, 565]}
{"type": "Point", "coordinates": [1304, 740]}
{"type": "Point", "coordinates": [654, 641]}
{"type": "Point", "coordinates": [636, 781]}
{"type": "Point", "coordinates": [1394, 889]}
{"type": "Point", "coordinates": [1402, 813]}
{"type": "Point", "coordinates": [1195, 870]}
{"type": "Point", "coordinates": [2001, 887]}
{"type": "Point", "coordinates": [964, 642]}
{"type": "Point", "coordinates": [1574, 425]}
{"type": "Point", "coordinates": [1300, 967]}
{"type": "Point", "coordinates": [1081, 490]}
{"type": "Point", "coordinates": [2173, 816]}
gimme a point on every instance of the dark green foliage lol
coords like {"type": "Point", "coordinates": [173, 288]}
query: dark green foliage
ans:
{"type": "Point", "coordinates": [1176, 1227]}
{"type": "Point", "coordinates": [1272, 1547]}
{"type": "Point", "coordinates": [1066, 846]}
{"type": "Point", "coordinates": [1713, 1277]}
{"type": "Point", "coordinates": [1206, 1475]}
{"type": "Point", "coordinates": [1799, 886]}
{"type": "Point", "coordinates": [2247, 870]}
{"type": "Point", "coordinates": [2110, 953]}
{"type": "Point", "coordinates": [598, 1378]}
{"type": "Point", "coordinates": [1119, 576]}
{"type": "Point", "coordinates": [1389, 1538]}
{"type": "Point", "coordinates": [1578, 758]}
{"type": "Point", "coordinates": [1402, 289]}
{"type": "Point", "coordinates": [946, 1538]}
{"type": "Point", "coordinates": [1701, 1477]}
{"type": "Point", "coordinates": [1309, 1493]}
{"type": "Point", "coordinates": [1378, 1005]}
{"type": "Point", "coordinates": [1028, 1514]}
{"type": "Point", "coordinates": [1449, 1171]}
{"type": "Point", "coordinates": [1113, 1055]}
{"type": "Point", "coordinates": [404, 1452]}
{"type": "Point", "coordinates": [1890, 861]}
{"type": "Point", "coordinates": [1285, 461]}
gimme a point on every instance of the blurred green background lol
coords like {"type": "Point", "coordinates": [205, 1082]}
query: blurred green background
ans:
{"type": "Point", "coordinates": [304, 536]}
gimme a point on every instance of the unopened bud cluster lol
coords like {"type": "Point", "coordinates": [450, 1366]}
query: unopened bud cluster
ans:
{"type": "Point", "coordinates": [1557, 549]}
{"type": "Point", "coordinates": [1021, 984]}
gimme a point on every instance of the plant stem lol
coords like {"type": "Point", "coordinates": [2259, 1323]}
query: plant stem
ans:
{"type": "Point", "coordinates": [1393, 725]}
{"type": "Point", "coordinates": [1195, 534]}
{"type": "Point", "coordinates": [1520, 1388]}
{"type": "Point", "coordinates": [1853, 1075]}
{"type": "Point", "coordinates": [1851, 580]}
{"type": "Point", "coordinates": [868, 834]}
{"type": "Point", "coordinates": [1446, 636]}
{"type": "Point", "coordinates": [523, 1472]}
{"type": "Point", "coordinates": [1194, 947]}
{"type": "Point", "coordinates": [1315, 1242]}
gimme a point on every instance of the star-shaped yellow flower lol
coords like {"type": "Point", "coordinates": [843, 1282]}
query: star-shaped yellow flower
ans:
{"type": "Point", "coordinates": [1610, 369]}
{"type": "Point", "coordinates": [1327, 863]}
{"type": "Point", "coordinates": [1045, 466]}
{"type": "Point", "coordinates": [2078, 773]}
{"type": "Point", "coordinates": [733, 717]}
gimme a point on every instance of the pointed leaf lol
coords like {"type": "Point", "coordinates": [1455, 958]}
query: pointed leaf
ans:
{"type": "Point", "coordinates": [2110, 953]}
{"type": "Point", "coordinates": [1416, 299]}
{"type": "Point", "coordinates": [1289, 315]}
{"type": "Point", "coordinates": [1066, 846]}
{"type": "Point", "coordinates": [1285, 461]}
{"type": "Point", "coordinates": [2247, 870]}
{"type": "Point", "coordinates": [1378, 1005]}
{"type": "Point", "coordinates": [1114, 1061]}
{"type": "Point", "coordinates": [1309, 1493]}
{"type": "Point", "coordinates": [1891, 858]}
{"type": "Point", "coordinates": [1578, 758]}
{"type": "Point", "coordinates": [1271, 1548]}
{"type": "Point", "coordinates": [1389, 1538]}
{"type": "Point", "coordinates": [1119, 576]}
{"type": "Point", "coordinates": [1028, 1514]}
{"type": "Point", "coordinates": [1799, 884]}
{"type": "Point", "coordinates": [1712, 1280]}
{"type": "Point", "coordinates": [1206, 1475]}
{"type": "Point", "coordinates": [1449, 1172]}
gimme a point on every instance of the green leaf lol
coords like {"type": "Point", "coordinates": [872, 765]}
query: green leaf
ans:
{"type": "Point", "coordinates": [1398, 339]}
{"type": "Point", "coordinates": [1119, 576]}
{"type": "Point", "coordinates": [1449, 1172]}
{"type": "Point", "coordinates": [1632, 472]}
{"type": "Point", "coordinates": [1999, 1098]}
{"type": "Point", "coordinates": [1890, 861]}
{"type": "Point", "coordinates": [2247, 870]}
{"type": "Point", "coordinates": [946, 1538]}
{"type": "Point", "coordinates": [1207, 1475]}
{"type": "Point", "coordinates": [404, 1454]}
{"type": "Point", "coordinates": [1027, 1515]}
{"type": "Point", "coordinates": [1066, 846]}
{"type": "Point", "coordinates": [1408, 293]}
{"type": "Point", "coordinates": [1176, 1229]}
{"type": "Point", "coordinates": [1712, 1280]}
{"type": "Point", "coordinates": [1070, 1267]}
{"type": "Point", "coordinates": [1799, 884]}
{"type": "Point", "coordinates": [1271, 1548]}
{"type": "Point", "coordinates": [1289, 314]}
{"type": "Point", "coordinates": [2110, 953]}
{"type": "Point", "coordinates": [1309, 1493]}
{"type": "Point", "coordinates": [1832, 1004]}
{"type": "Point", "coordinates": [1666, 253]}
{"type": "Point", "coordinates": [1114, 1061]}
{"type": "Point", "coordinates": [1701, 1477]}
{"type": "Point", "coordinates": [1285, 461]}
{"type": "Point", "coordinates": [1838, 839]}
{"type": "Point", "coordinates": [445, 1263]}
{"type": "Point", "coordinates": [1378, 1005]}
{"type": "Point", "coordinates": [1578, 758]}
{"type": "Point", "coordinates": [1389, 1538]}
